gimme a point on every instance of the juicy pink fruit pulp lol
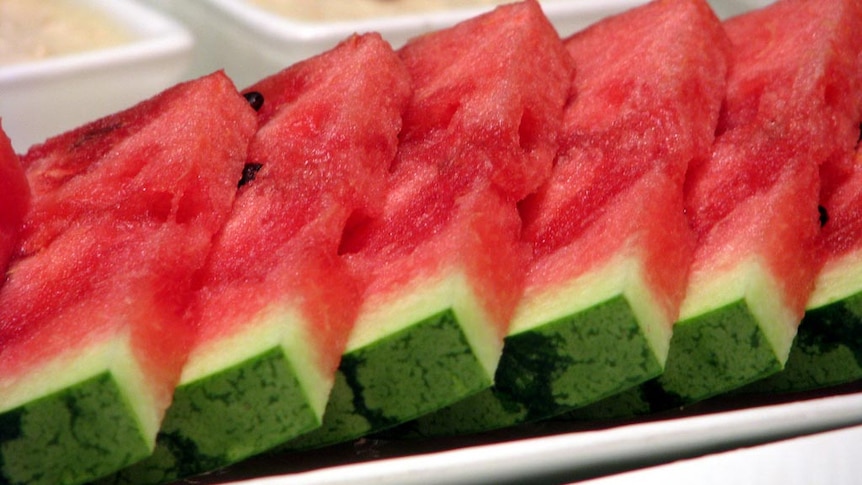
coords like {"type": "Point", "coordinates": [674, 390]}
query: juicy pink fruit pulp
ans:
{"type": "Point", "coordinates": [479, 135]}
{"type": "Point", "coordinates": [328, 134]}
{"type": "Point", "coordinates": [842, 199]}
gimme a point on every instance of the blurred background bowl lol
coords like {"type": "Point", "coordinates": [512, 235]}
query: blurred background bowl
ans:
{"type": "Point", "coordinates": [45, 96]}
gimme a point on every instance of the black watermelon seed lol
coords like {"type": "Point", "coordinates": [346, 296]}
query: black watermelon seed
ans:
{"type": "Point", "coordinates": [824, 216]}
{"type": "Point", "coordinates": [255, 99]}
{"type": "Point", "coordinates": [248, 173]}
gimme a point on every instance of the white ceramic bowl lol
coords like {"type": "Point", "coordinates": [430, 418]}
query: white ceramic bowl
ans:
{"type": "Point", "coordinates": [42, 98]}
{"type": "Point", "coordinates": [250, 42]}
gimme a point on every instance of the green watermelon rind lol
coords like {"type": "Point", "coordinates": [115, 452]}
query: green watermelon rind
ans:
{"type": "Point", "coordinates": [242, 396]}
{"type": "Point", "coordinates": [89, 421]}
{"type": "Point", "coordinates": [733, 329]}
{"type": "Point", "coordinates": [827, 350]}
{"type": "Point", "coordinates": [278, 326]}
{"type": "Point", "coordinates": [439, 351]}
{"type": "Point", "coordinates": [721, 343]}
{"type": "Point", "coordinates": [600, 334]}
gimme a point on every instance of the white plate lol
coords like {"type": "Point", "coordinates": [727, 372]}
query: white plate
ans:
{"type": "Point", "coordinates": [828, 457]}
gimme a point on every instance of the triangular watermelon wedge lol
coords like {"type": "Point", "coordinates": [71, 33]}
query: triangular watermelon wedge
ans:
{"type": "Point", "coordinates": [610, 242]}
{"type": "Point", "coordinates": [276, 302]}
{"type": "Point", "coordinates": [443, 265]}
{"type": "Point", "coordinates": [92, 338]}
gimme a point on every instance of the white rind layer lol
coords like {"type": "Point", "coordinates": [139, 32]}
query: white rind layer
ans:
{"type": "Point", "coordinates": [277, 326]}
{"type": "Point", "coordinates": [112, 354]}
{"type": "Point", "coordinates": [386, 314]}
{"type": "Point", "coordinates": [622, 275]}
{"type": "Point", "coordinates": [751, 281]}
{"type": "Point", "coordinates": [839, 278]}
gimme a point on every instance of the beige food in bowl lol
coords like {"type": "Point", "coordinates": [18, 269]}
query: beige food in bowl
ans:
{"type": "Point", "coordinates": [38, 29]}
{"type": "Point", "coordinates": [335, 10]}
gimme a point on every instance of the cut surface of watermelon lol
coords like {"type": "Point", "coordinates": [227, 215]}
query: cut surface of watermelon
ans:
{"type": "Point", "coordinates": [92, 335]}
{"type": "Point", "coordinates": [276, 302]}
{"type": "Point", "coordinates": [441, 267]}
{"type": "Point", "coordinates": [610, 242]}
{"type": "Point", "coordinates": [14, 199]}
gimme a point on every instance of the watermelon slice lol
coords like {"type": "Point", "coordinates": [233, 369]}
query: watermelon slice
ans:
{"type": "Point", "coordinates": [92, 338]}
{"type": "Point", "coordinates": [611, 246]}
{"type": "Point", "coordinates": [792, 106]}
{"type": "Point", "coordinates": [827, 350]}
{"type": "Point", "coordinates": [441, 267]}
{"type": "Point", "coordinates": [277, 302]}
{"type": "Point", "coordinates": [14, 199]}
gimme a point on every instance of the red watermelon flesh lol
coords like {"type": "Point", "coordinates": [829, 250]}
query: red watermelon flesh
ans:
{"type": "Point", "coordinates": [319, 191]}
{"type": "Point", "coordinates": [792, 105]}
{"type": "Point", "coordinates": [442, 266]}
{"type": "Point", "coordinates": [842, 200]}
{"type": "Point", "coordinates": [14, 199]}
{"type": "Point", "coordinates": [795, 58]}
{"type": "Point", "coordinates": [328, 135]}
{"type": "Point", "coordinates": [277, 302]}
{"type": "Point", "coordinates": [122, 216]}
{"type": "Point", "coordinates": [610, 243]}
{"type": "Point", "coordinates": [469, 126]}
{"type": "Point", "coordinates": [621, 125]}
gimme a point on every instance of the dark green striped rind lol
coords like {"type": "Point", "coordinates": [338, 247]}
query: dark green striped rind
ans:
{"type": "Point", "coordinates": [225, 417]}
{"type": "Point", "coordinates": [716, 352]}
{"type": "Point", "coordinates": [827, 350]}
{"type": "Point", "coordinates": [76, 435]}
{"type": "Point", "coordinates": [553, 368]}
{"type": "Point", "coordinates": [416, 370]}
{"type": "Point", "coordinates": [710, 354]}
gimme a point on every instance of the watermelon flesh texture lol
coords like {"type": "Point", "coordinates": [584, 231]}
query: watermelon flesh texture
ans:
{"type": "Point", "coordinates": [791, 108]}
{"type": "Point", "coordinates": [277, 302]}
{"type": "Point", "coordinates": [14, 199]}
{"type": "Point", "coordinates": [610, 243]}
{"type": "Point", "coordinates": [441, 266]}
{"type": "Point", "coordinates": [93, 337]}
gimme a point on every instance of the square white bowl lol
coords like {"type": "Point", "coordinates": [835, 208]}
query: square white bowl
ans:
{"type": "Point", "coordinates": [42, 98]}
